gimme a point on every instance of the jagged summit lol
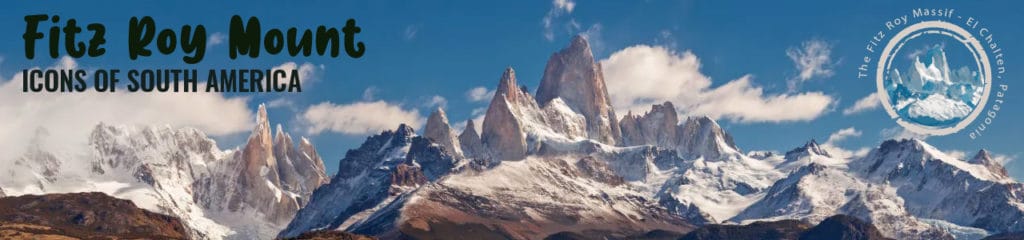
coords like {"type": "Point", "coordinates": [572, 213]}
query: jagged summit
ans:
{"type": "Point", "coordinates": [438, 130]}
{"type": "Point", "coordinates": [472, 147]}
{"type": "Point", "coordinates": [810, 148]}
{"type": "Point", "coordinates": [984, 158]}
{"type": "Point", "coordinates": [573, 75]}
{"type": "Point", "coordinates": [656, 127]}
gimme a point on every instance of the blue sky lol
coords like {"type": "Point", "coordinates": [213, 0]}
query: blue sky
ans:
{"type": "Point", "coordinates": [420, 51]}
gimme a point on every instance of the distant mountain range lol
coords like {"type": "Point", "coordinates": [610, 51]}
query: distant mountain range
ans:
{"type": "Point", "coordinates": [556, 164]}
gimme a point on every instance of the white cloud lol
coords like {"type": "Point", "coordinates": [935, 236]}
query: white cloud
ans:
{"type": "Point", "coordinates": [593, 36]}
{"type": "Point", "coordinates": [410, 32]}
{"type": "Point", "coordinates": [642, 75]}
{"type": "Point", "coordinates": [666, 39]}
{"type": "Point", "coordinates": [359, 118]}
{"type": "Point", "coordinates": [1003, 159]}
{"type": "Point", "coordinates": [812, 59]}
{"type": "Point", "coordinates": [832, 148]}
{"type": "Point", "coordinates": [558, 9]}
{"type": "Point", "coordinates": [70, 117]}
{"type": "Point", "coordinates": [898, 133]}
{"type": "Point", "coordinates": [217, 38]}
{"type": "Point", "coordinates": [282, 103]}
{"type": "Point", "coordinates": [479, 94]}
{"type": "Point", "coordinates": [436, 101]}
{"type": "Point", "coordinates": [370, 93]}
{"type": "Point", "coordinates": [843, 134]}
{"type": "Point", "coordinates": [864, 104]}
{"type": "Point", "coordinates": [307, 71]}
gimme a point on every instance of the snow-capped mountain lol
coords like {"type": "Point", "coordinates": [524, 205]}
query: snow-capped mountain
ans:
{"type": "Point", "coordinates": [244, 193]}
{"type": "Point", "coordinates": [563, 164]}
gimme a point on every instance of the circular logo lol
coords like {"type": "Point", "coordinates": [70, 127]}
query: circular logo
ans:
{"type": "Point", "coordinates": [934, 78]}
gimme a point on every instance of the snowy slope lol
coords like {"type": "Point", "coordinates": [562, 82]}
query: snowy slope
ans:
{"type": "Point", "coordinates": [180, 172]}
{"type": "Point", "coordinates": [538, 169]}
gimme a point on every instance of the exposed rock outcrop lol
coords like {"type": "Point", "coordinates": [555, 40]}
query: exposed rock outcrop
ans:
{"type": "Point", "coordinates": [808, 149]}
{"type": "Point", "coordinates": [267, 169]}
{"type": "Point", "coordinates": [439, 131]}
{"type": "Point", "coordinates": [503, 131]}
{"type": "Point", "coordinates": [702, 136]}
{"type": "Point", "coordinates": [984, 158]}
{"type": "Point", "coordinates": [469, 140]}
{"type": "Point", "coordinates": [83, 216]}
{"type": "Point", "coordinates": [573, 75]}
{"type": "Point", "coordinates": [656, 127]}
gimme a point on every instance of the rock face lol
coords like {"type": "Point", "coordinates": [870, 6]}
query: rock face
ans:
{"type": "Point", "coordinates": [573, 75]}
{"type": "Point", "coordinates": [249, 192]}
{"type": "Point", "coordinates": [657, 127]}
{"type": "Point", "coordinates": [83, 216]}
{"type": "Point", "coordinates": [469, 140]}
{"type": "Point", "coordinates": [267, 171]}
{"type": "Point", "coordinates": [811, 148]}
{"type": "Point", "coordinates": [702, 136]}
{"type": "Point", "coordinates": [984, 158]}
{"type": "Point", "coordinates": [371, 177]}
{"type": "Point", "coordinates": [438, 130]}
{"type": "Point", "coordinates": [502, 129]}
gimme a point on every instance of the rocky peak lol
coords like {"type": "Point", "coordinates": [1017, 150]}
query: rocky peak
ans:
{"type": "Point", "coordinates": [470, 142]}
{"type": "Point", "coordinates": [702, 136]}
{"type": "Point", "coordinates": [656, 127]}
{"type": "Point", "coordinates": [269, 169]}
{"type": "Point", "coordinates": [808, 149]}
{"type": "Point", "coordinates": [258, 155]}
{"type": "Point", "coordinates": [403, 135]}
{"type": "Point", "coordinates": [573, 75]}
{"type": "Point", "coordinates": [438, 130]}
{"type": "Point", "coordinates": [502, 129]}
{"type": "Point", "coordinates": [508, 88]}
{"type": "Point", "coordinates": [984, 158]}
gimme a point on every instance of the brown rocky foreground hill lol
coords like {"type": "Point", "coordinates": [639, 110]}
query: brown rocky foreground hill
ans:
{"type": "Point", "coordinates": [82, 216]}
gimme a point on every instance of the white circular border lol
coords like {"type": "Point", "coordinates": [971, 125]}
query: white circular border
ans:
{"type": "Point", "coordinates": [969, 41]}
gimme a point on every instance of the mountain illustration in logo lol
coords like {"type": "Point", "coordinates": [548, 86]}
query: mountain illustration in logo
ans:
{"type": "Point", "coordinates": [930, 93]}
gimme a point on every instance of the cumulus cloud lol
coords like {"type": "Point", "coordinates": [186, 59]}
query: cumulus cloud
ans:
{"type": "Point", "coordinates": [843, 134]}
{"type": "Point", "coordinates": [307, 71]}
{"type": "Point", "coordinates": [70, 117]}
{"type": "Point", "coordinates": [869, 102]}
{"type": "Point", "coordinates": [642, 75]}
{"type": "Point", "coordinates": [812, 59]}
{"type": "Point", "coordinates": [479, 94]}
{"type": "Point", "coordinates": [359, 118]}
